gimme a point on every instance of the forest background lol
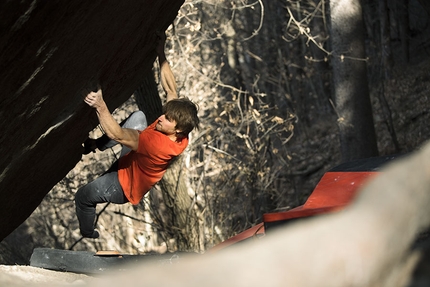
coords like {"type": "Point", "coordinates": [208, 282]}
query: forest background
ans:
{"type": "Point", "coordinates": [260, 72]}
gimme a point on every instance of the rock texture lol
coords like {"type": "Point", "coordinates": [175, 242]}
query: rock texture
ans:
{"type": "Point", "coordinates": [51, 54]}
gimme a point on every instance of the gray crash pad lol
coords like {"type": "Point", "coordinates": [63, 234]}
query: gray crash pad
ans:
{"type": "Point", "coordinates": [90, 262]}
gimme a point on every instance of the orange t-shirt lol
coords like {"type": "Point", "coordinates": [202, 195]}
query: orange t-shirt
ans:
{"type": "Point", "coordinates": [139, 171]}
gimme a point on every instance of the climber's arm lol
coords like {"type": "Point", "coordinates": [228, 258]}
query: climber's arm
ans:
{"type": "Point", "coordinates": [168, 81]}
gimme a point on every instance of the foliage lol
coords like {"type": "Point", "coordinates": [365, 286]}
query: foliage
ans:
{"type": "Point", "coordinates": [232, 58]}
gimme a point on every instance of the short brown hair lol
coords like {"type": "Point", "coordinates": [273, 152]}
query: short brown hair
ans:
{"type": "Point", "coordinates": [184, 113]}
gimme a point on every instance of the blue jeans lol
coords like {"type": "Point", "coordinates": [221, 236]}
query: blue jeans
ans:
{"type": "Point", "coordinates": [106, 188]}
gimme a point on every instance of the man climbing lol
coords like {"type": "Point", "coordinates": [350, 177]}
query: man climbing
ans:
{"type": "Point", "coordinates": [146, 154]}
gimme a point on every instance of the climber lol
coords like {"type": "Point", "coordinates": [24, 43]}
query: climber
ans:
{"type": "Point", "coordinates": [146, 152]}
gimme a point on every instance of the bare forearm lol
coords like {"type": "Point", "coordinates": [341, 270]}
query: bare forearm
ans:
{"type": "Point", "coordinates": [111, 128]}
{"type": "Point", "coordinates": [168, 81]}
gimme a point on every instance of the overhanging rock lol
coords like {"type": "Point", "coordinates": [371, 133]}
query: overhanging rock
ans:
{"type": "Point", "coordinates": [51, 54]}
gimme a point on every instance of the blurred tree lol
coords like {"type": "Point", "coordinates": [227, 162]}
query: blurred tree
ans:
{"type": "Point", "coordinates": [350, 85]}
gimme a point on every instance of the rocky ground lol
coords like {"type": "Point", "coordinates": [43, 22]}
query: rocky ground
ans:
{"type": "Point", "coordinates": [23, 275]}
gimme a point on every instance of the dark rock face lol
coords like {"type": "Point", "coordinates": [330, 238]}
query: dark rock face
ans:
{"type": "Point", "coordinates": [51, 54]}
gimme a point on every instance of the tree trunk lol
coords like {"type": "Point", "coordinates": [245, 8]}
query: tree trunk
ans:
{"type": "Point", "coordinates": [403, 12]}
{"type": "Point", "coordinates": [386, 67]}
{"type": "Point", "coordinates": [183, 223]}
{"type": "Point", "coordinates": [386, 54]}
{"type": "Point", "coordinates": [350, 86]}
{"type": "Point", "coordinates": [180, 206]}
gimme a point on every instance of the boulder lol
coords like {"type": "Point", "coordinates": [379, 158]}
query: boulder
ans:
{"type": "Point", "coordinates": [51, 54]}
